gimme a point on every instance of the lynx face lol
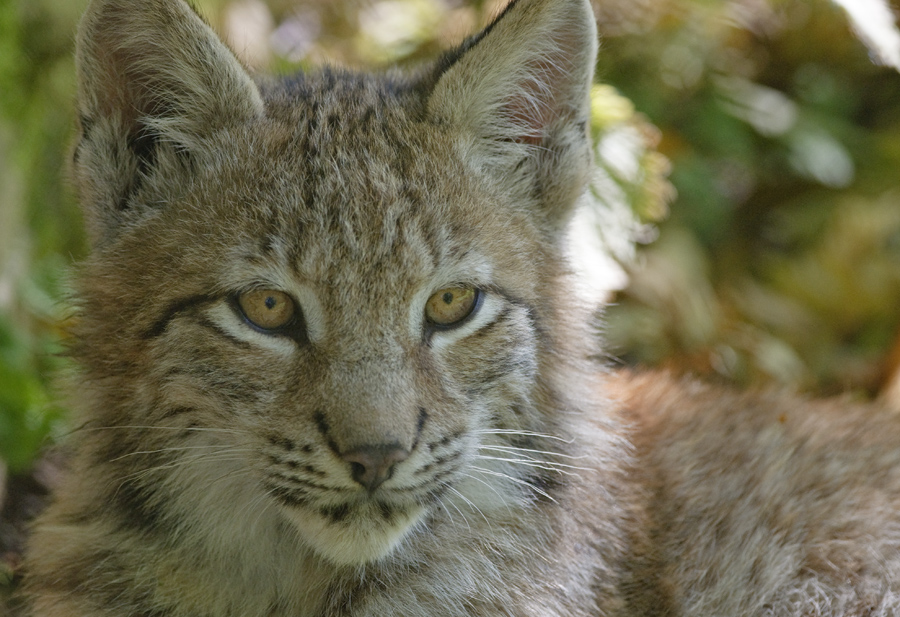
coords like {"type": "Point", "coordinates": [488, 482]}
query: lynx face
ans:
{"type": "Point", "coordinates": [348, 340]}
{"type": "Point", "coordinates": [323, 301]}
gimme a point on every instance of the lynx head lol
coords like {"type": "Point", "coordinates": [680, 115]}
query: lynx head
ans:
{"type": "Point", "coordinates": [326, 304]}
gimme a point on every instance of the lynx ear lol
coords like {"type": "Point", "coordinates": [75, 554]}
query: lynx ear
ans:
{"type": "Point", "coordinates": [521, 90]}
{"type": "Point", "coordinates": [154, 81]}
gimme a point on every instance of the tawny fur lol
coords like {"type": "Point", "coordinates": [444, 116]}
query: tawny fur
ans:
{"type": "Point", "coordinates": [215, 471]}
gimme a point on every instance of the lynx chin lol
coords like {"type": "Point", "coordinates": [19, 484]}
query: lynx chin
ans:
{"type": "Point", "coordinates": [332, 363]}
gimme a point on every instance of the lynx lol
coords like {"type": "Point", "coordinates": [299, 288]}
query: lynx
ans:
{"type": "Point", "coordinates": [333, 363]}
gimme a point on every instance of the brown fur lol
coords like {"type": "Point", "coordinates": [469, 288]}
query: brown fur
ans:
{"type": "Point", "coordinates": [226, 470]}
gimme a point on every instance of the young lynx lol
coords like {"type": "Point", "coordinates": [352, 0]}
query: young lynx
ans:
{"type": "Point", "coordinates": [332, 363]}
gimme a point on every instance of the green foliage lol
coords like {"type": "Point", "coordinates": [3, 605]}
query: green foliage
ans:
{"type": "Point", "coordinates": [27, 413]}
{"type": "Point", "coordinates": [30, 358]}
{"type": "Point", "coordinates": [779, 261]}
{"type": "Point", "coordinates": [39, 224]}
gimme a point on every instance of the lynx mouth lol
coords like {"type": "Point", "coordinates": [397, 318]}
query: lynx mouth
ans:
{"type": "Point", "coordinates": [354, 533]}
{"type": "Point", "coordinates": [361, 522]}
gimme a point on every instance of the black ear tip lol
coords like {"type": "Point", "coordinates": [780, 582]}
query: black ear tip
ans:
{"type": "Point", "coordinates": [451, 57]}
{"type": "Point", "coordinates": [521, 87]}
{"type": "Point", "coordinates": [534, 63]}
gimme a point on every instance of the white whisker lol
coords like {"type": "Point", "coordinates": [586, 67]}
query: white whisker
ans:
{"type": "Point", "coordinates": [493, 488]}
{"type": "Point", "coordinates": [536, 464]}
{"type": "Point", "coordinates": [444, 505]}
{"type": "Point", "coordinates": [515, 450]}
{"type": "Point", "coordinates": [176, 449]}
{"type": "Point", "coordinates": [262, 498]}
{"type": "Point", "coordinates": [158, 428]}
{"type": "Point", "coordinates": [227, 455]}
{"type": "Point", "coordinates": [523, 434]}
{"type": "Point", "coordinates": [471, 505]}
{"type": "Point", "coordinates": [519, 481]}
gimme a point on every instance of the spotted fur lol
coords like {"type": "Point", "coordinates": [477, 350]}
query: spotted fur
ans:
{"type": "Point", "coordinates": [223, 470]}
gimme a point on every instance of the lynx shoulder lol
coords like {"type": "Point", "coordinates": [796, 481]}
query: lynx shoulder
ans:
{"type": "Point", "coordinates": [332, 363]}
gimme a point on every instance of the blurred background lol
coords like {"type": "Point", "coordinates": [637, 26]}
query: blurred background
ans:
{"type": "Point", "coordinates": [744, 218]}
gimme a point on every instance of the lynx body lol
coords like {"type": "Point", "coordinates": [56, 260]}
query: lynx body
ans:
{"type": "Point", "coordinates": [333, 364]}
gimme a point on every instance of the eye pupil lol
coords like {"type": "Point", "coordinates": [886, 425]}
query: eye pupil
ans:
{"type": "Point", "coordinates": [448, 298]}
{"type": "Point", "coordinates": [271, 302]}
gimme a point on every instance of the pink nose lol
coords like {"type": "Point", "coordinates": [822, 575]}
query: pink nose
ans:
{"type": "Point", "coordinates": [372, 466]}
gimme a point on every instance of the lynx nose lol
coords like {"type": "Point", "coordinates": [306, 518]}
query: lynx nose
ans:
{"type": "Point", "coordinates": [371, 466]}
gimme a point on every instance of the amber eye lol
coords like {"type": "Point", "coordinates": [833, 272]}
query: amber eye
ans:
{"type": "Point", "coordinates": [451, 306]}
{"type": "Point", "coordinates": [267, 309]}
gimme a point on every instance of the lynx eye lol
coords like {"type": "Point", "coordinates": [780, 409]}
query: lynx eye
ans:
{"type": "Point", "coordinates": [451, 306]}
{"type": "Point", "coordinates": [267, 309]}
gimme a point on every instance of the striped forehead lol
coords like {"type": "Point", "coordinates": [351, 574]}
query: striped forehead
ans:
{"type": "Point", "coordinates": [347, 184]}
